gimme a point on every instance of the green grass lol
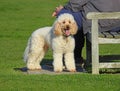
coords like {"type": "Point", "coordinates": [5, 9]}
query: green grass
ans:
{"type": "Point", "coordinates": [18, 19]}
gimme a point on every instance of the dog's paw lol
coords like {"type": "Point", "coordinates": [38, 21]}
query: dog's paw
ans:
{"type": "Point", "coordinates": [57, 70]}
{"type": "Point", "coordinates": [33, 67]}
{"type": "Point", "coordinates": [72, 70]}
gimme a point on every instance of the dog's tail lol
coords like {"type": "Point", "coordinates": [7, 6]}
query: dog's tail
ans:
{"type": "Point", "coordinates": [26, 52]}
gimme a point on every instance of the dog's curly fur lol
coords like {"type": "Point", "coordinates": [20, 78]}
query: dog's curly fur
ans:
{"type": "Point", "coordinates": [60, 38]}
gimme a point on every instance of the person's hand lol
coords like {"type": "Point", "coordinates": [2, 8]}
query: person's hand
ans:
{"type": "Point", "coordinates": [57, 10]}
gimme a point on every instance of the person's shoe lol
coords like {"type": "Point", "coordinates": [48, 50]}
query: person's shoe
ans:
{"type": "Point", "coordinates": [80, 61]}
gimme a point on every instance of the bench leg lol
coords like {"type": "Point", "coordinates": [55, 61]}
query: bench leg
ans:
{"type": "Point", "coordinates": [95, 47]}
{"type": "Point", "coordinates": [92, 54]}
{"type": "Point", "coordinates": [95, 59]}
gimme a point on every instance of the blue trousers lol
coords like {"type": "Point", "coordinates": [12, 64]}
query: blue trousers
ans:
{"type": "Point", "coordinates": [79, 37]}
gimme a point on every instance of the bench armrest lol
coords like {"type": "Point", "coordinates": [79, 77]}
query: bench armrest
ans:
{"type": "Point", "coordinates": [103, 15]}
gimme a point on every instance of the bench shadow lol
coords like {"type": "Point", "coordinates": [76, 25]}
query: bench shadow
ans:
{"type": "Point", "coordinates": [110, 58]}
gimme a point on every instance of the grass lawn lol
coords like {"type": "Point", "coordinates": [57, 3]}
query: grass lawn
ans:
{"type": "Point", "coordinates": [18, 19]}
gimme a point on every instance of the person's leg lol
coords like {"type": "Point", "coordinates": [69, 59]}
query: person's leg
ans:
{"type": "Point", "coordinates": [79, 38]}
{"type": "Point", "coordinates": [79, 44]}
{"type": "Point", "coordinates": [117, 29]}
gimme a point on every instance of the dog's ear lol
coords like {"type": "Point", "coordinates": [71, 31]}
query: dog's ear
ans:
{"type": "Point", "coordinates": [74, 28]}
{"type": "Point", "coordinates": [57, 29]}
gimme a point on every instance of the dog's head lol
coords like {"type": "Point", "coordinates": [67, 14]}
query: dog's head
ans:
{"type": "Point", "coordinates": [65, 25]}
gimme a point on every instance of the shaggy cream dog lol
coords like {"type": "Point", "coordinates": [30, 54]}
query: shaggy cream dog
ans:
{"type": "Point", "coordinates": [59, 37]}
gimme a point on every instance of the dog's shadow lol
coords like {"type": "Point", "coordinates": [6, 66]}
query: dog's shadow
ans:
{"type": "Point", "coordinates": [46, 64]}
{"type": "Point", "coordinates": [47, 68]}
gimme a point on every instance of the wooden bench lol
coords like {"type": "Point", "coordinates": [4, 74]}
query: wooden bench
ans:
{"type": "Point", "coordinates": [94, 38]}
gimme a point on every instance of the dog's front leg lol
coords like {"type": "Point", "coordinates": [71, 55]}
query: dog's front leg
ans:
{"type": "Point", "coordinates": [70, 62]}
{"type": "Point", "coordinates": [57, 63]}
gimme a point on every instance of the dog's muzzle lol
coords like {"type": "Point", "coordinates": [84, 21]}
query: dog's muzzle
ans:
{"type": "Point", "coordinates": [67, 31]}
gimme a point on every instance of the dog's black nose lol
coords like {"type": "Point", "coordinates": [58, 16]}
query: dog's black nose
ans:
{"type": "Point", "coordinates": [67, 27]}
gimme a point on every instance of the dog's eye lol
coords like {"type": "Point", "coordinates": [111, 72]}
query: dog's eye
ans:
{"type": "Point", "coordinates": [63, 22]}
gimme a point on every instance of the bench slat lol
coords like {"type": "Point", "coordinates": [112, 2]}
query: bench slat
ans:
{"type": "Point", "coordinates": [114, 35]}
{"type": "Point", "coordinates": [109, 65]}
{"type": "Point", "coordinates": [108, 35]}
